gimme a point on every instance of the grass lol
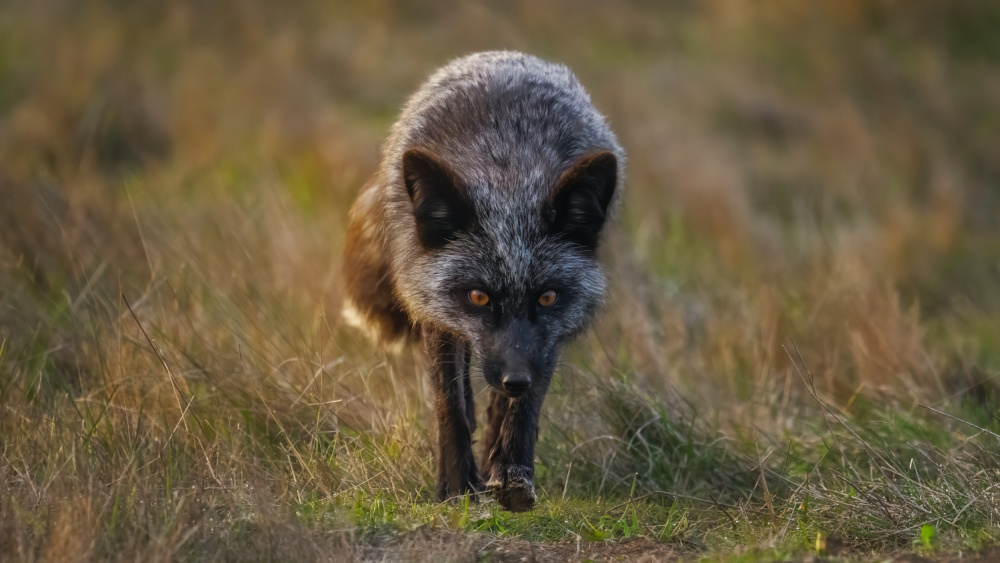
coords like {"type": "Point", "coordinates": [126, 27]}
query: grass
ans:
{"type": "Point", "coordinates": [800, 354]}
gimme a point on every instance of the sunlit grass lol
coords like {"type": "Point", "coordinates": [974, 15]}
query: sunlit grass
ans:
{"type": "Point", "coordinates": [800, 352]}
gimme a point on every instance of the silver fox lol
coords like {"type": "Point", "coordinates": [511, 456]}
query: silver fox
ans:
{"type": "Point", "coordinates": [477, 237]}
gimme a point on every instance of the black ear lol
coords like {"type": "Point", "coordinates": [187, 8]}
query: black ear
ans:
{"type": "Point", "coordinates": [439, 203]}
{"type": "Point", "coordinates": [579, 203]}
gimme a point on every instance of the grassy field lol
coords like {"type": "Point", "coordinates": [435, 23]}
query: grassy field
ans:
{"type": "Point", "coordinates": [799, 358]}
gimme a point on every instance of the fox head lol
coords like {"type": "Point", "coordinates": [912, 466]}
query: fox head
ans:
{"type": "Point", "coordinates": [510, 269]}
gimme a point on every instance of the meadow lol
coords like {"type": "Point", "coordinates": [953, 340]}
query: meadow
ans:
{"type": "Point", "coordinates": [799, 357]}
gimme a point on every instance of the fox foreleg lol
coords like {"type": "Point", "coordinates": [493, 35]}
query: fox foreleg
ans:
{"type": "Point", "coordinates": [509, 451]}
{"type": "Point", "coordinates": [448, 364]}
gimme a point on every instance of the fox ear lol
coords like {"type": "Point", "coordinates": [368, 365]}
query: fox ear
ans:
{"type": "Point", "coordinates": [439, 203]}
{"type": "Point", "coordinates": [579, 203]}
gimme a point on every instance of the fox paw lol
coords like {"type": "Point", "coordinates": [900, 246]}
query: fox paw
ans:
{"type": "Point", "coordinates": [460, 480]}
{"type": "Point", "coordinates": [513, 487]}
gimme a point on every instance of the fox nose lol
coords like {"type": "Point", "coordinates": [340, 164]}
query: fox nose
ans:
{"type": "Point", "coordinates": [516, 383]}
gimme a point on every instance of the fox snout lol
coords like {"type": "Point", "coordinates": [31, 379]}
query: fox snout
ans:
{"type": "Point", "coordinates": [512, 379]}
{"type": "Point", "coordinates": [515, 376]}
{"type": "Point", "coordinates": [516, 362]}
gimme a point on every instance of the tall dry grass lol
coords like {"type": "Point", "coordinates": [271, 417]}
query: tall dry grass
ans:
{"type": "Point", "coordinates": [807, 250]}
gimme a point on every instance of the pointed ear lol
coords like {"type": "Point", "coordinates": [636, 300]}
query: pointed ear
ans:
{"type": "Point", "coordinates": [439, 202]}
{"type": "Point", "coordinates": [579, 203]}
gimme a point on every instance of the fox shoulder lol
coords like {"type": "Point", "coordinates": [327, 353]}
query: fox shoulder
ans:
{"type": "Point", "coordinates": [371, 304]}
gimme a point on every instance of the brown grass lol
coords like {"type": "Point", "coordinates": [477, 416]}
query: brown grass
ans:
{"type": "Point", "coordinates": [810, 188]}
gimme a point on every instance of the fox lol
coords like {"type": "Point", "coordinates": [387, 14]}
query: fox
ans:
{"type": "Point", "coordinates": [477, 237]}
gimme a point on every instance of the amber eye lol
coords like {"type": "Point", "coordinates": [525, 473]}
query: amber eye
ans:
{"type": "Point", "coordinates": [547, 298]}
{"type": "Point", "coordinates": [479, 297]}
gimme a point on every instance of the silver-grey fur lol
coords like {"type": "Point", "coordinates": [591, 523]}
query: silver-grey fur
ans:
{"type": "Point", "coordinates": [509, 126]}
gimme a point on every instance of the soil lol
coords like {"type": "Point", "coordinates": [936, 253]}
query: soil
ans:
{"type": "Point", "coordinates": [452, 546]}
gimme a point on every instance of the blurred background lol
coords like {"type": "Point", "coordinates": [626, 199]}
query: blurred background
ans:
{"type": "Point", "coordinates": [812, 199]}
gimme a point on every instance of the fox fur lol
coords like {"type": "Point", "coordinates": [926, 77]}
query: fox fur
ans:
{"type": "Point", "coordinates": [498, 177]}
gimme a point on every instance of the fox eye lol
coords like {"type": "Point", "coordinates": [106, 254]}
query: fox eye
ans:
{"type": "Point", "coordinates": [547, 298]}
{"type": "Point", "coordinates": [479, 297]}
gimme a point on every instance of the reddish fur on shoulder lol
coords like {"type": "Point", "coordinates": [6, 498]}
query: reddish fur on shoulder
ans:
{"type": "Point", "coordinates": [373, 306]}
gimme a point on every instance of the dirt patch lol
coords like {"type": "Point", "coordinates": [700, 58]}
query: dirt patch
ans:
{"type": "Point", "coordinates": [638, 549]}
{"type": "Point", "coordinates": [989, 556]}
{"type": "Point", "coordinates": [437, 548]}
